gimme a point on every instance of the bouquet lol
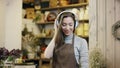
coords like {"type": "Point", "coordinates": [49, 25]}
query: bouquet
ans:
{"type": "Point", "coordinates": [7, 56]}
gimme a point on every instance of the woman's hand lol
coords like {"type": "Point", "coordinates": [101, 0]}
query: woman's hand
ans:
{"type": "Point", "coordinates": [55, 28]}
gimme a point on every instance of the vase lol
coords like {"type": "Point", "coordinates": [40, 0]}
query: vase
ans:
{"type": "Point", "coordinates": [31, 55]}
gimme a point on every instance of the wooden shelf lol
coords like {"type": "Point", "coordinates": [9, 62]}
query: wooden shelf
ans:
{"type": "Point", "coordinates": [43, 23]}
{"type": "Point", "coordinates": [63, 7]}
{"type": "Point", "coordinates": [45, 37]}
{"type": "Point", "coordinates": [52, 22]}
{"type": "Point", "coordinates": [31, 59]}
{"type": "Point", "coordinates": [24, 63]}
{"type": "Point", "coordinates": [83, 36]}
{"type": "Point", "coordinates": [44, 0]}
{"type": "Point", "coordinates": [85, 20]}
{"type": "Point", "coordinates": [45, 59]}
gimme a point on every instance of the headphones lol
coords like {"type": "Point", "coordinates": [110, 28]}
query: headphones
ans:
{"type": "Point", "coordinates": [57, 18]}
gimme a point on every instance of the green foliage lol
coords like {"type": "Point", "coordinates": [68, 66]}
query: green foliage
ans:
{"type": "Point", "coordinates": [24, 52]}
{"type": "Point", "coordinates": [32, 41]}
{"type": "Point", "coordinates": [10, 58]}
{"type": "Point", "coordinates": [38, 17]}
{"type": "Point", "coordinates": [96, 59]}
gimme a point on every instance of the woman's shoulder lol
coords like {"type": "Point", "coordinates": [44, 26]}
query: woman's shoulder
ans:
{"type": "Point", "coordinates": [79, 38]}
{"type": "Point", "coordinates": [80, 42]}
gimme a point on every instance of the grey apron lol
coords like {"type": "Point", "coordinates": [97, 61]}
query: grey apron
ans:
{"type": "Point", "coordinates": [64, 57]}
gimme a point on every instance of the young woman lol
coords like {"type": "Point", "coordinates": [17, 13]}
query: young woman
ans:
{"type": "Point", "coordinates": [66, 49]}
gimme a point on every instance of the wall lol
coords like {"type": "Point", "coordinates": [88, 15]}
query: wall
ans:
{"type": "Point", "coordinates": [11, 22]}
{"type": "Point", "coordinates": [2, 22]}
{"type": "Point", "coordinates": [103, 14]}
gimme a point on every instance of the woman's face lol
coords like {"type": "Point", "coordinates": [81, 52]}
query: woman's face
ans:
{"type": "Point", "coordinates": [67, 26]}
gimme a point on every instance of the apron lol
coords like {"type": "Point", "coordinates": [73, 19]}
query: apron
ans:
{"type": "Point", "coordinates": [64, 56]}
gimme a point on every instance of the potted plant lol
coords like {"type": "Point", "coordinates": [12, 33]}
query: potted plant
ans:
{"type": "Point", "coordinates": [96, 59]}
{"type": "Point", "coordinates": [30, 43]}
{"type": "Point", "coordinates": [37, 17]}
{"type": "Point", "coordinates": [8, 56]}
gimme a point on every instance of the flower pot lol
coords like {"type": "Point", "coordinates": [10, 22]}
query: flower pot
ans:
{"type": "Point", "coordinates": [31, 55]}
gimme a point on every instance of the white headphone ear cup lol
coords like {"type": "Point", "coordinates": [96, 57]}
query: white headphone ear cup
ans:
{"type": "Point", "coordinates": [76, 24]}
{"type": "Point", "coordinates": [56, 22]}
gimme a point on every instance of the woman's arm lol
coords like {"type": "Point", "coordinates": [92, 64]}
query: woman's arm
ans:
{"type": "Point", "coordinates": [49, 50]}
{"type": "Point", "coordinates": [84, 58]}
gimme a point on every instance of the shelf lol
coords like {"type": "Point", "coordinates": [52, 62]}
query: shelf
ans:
{"type": "Point", "coordinates": [63, 7]}
{"type": "Point", "coordinates": [24, 64]}
{"type": "Point", "coordinates": [52, 22]}
{"type": "Point", "coordinates": [45, 59]}
{"type": "Point", "coordinates": [43, 23]}
{"type": "Point", "coordinates": [83, 36]}
{"type": "Point", "coordinates": [45, 37]}
{"type": "Point", "coordinates": [34, 59]}
{"type": "Point", "coordinates": [85, 20]}
{"type": "Point", "coordinates": [44, 0]}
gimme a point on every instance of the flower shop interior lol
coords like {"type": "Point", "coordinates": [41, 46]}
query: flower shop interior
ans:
{"type": "Point", "coordinates": [26, 28]}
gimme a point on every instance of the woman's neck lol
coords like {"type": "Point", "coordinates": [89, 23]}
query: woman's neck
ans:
{"type": "Point", "coordinates": [69, 37]}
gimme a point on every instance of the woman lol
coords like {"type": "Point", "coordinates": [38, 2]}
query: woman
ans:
{"type": "Point", "coordinates": [66, 49]}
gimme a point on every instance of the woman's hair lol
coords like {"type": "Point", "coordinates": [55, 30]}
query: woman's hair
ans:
{"type": "Point", "coordinates": [60, 38]}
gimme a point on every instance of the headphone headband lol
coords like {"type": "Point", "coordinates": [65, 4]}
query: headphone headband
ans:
{"type": "Point", "coordinates": [76, 20]}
